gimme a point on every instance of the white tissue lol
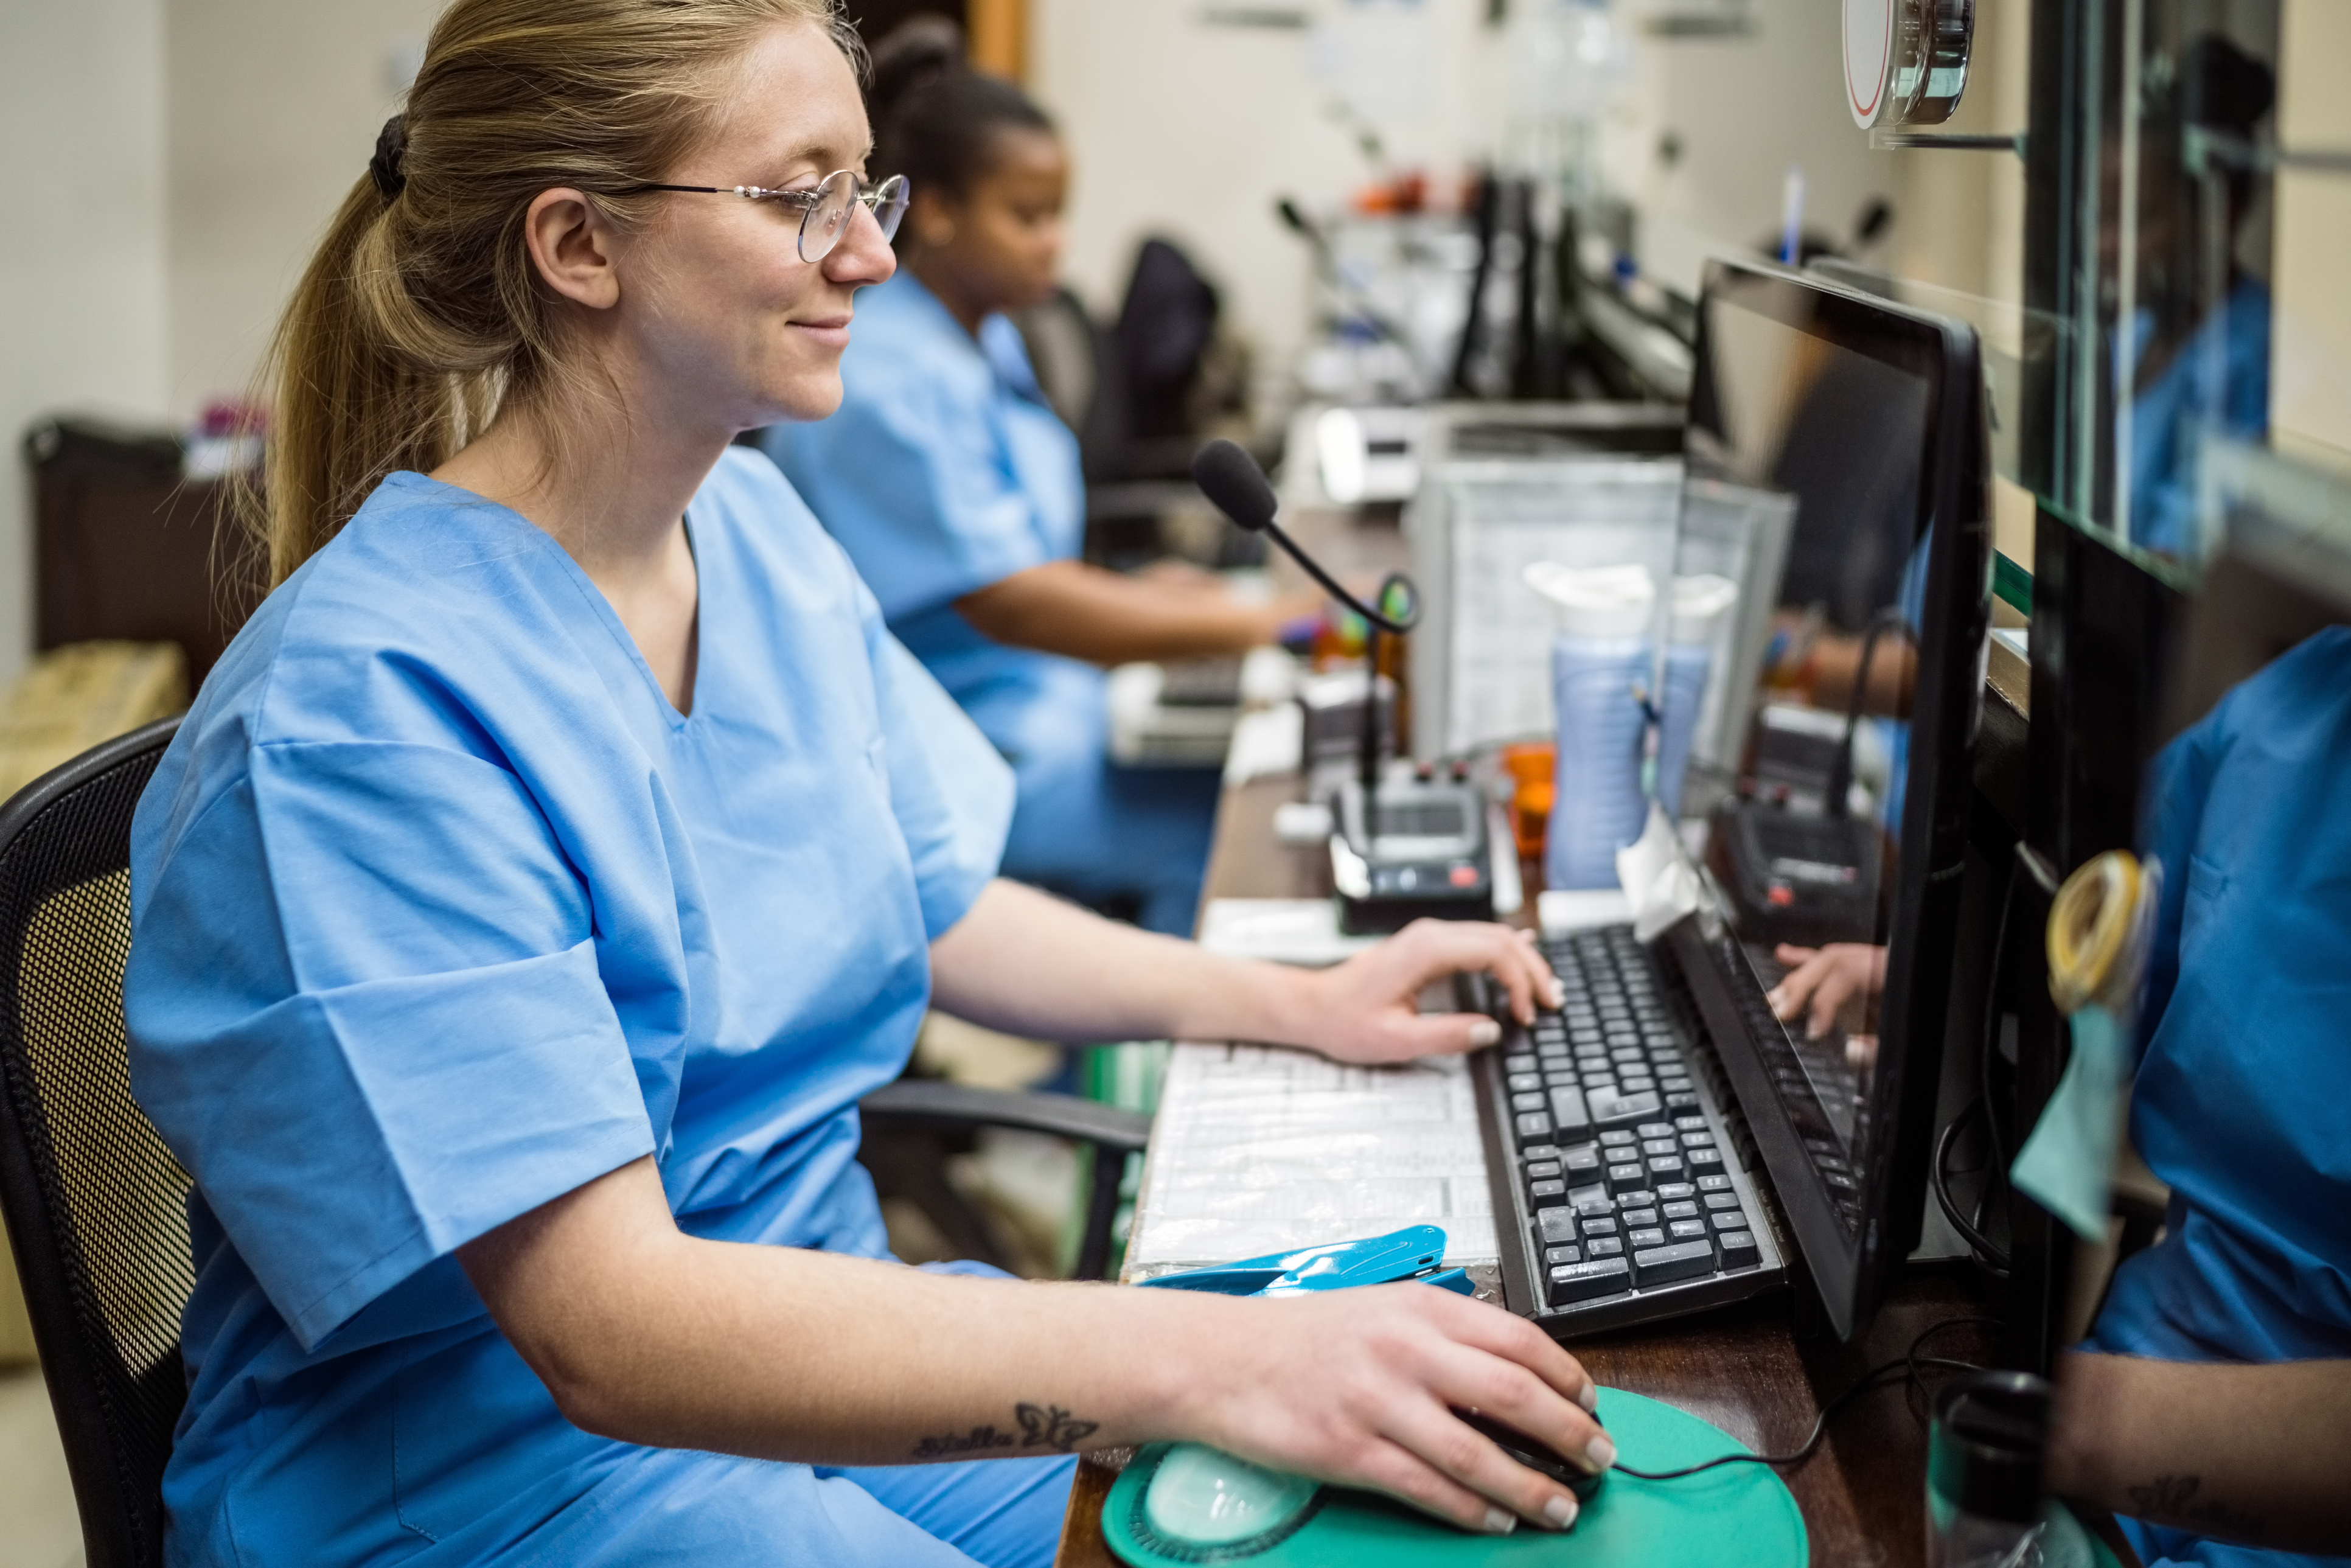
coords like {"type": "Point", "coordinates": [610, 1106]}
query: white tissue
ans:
{"type": "Point", "coordinates": [1656, 878]}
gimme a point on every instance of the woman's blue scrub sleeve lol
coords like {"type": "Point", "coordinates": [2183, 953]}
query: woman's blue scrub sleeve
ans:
{"type": "Point", "coordinates": [954, 803]}
{"type": "Point", "coordinates": [441, 910]}
{"type": "Point", "coordinates": [410, 1043]}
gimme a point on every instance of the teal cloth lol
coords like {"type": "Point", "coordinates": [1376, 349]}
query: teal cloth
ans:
{"type": "Point", "coordinates": [2067, 1164]}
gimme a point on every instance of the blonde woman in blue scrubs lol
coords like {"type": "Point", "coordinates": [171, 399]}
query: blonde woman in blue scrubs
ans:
{"type": "Point", "coordinates": [956, 490]}
{"type": "Point", "coordinates": [566, 846]}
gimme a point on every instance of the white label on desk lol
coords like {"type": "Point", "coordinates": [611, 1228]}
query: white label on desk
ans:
{"type": "Point", "coordinates": [1258, 1149]}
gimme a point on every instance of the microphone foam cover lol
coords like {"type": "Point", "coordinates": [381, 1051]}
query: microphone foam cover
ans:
{"type": "Point", "coordinates": [1230, 478]}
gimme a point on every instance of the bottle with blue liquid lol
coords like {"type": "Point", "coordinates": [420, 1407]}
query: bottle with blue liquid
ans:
{"type": "Point", "coordinates": [1606, 691]}
{"type": "Point", "coordinates": [1701, 603]}
{"type": "Point", "coordinates": [1602, 668]}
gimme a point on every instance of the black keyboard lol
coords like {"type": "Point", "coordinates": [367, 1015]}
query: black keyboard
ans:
{"type": "Point", "coordinates": [1620, 1191]}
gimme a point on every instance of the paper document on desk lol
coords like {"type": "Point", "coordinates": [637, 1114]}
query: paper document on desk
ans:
{"type": "Point", "coordinates": [1258, 1149]}
{"type": "Point", "coordinates": [1303, 931]}
{"type": "Point", "coordinates": [1266, 741]}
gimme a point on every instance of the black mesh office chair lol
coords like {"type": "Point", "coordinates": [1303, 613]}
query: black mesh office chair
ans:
{"type": "Point", "coordinates": [95, 1203]}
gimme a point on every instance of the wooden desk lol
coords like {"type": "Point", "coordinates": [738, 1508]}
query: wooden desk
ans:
{"type": "Point", "coordinates": [1744, 1369]}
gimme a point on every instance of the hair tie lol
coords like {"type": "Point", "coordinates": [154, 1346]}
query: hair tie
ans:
{"type": "Point", "coordinates": [388, 167]}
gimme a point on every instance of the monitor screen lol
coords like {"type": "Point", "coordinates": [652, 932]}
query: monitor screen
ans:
{"type": "Point", "coordinates": [1833, 441]}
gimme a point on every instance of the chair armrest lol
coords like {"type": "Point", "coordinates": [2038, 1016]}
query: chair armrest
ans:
{"type": "Point", "coordinates": [927, 1103]}
{"type": "Point", "coordinates": [930, 1102]}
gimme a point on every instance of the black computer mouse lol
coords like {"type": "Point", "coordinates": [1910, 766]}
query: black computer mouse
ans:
{"type": "Point", "coordinates": [1535, 1454]}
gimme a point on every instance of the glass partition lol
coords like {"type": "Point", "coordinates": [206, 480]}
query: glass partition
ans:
{"type": "Point", "coordinates": [2198, 329]}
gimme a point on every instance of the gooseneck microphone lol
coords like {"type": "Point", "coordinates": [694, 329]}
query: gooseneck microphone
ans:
{"type": "Point", "coordinates": [1237, 487]}
{"type": "Point", "coordinates": [1230, 478]}
{"type": "Point", "coordinates": [1440, 863]}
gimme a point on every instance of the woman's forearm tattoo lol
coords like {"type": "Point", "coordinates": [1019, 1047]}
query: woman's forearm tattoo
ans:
{"type": "Point", "coordinates": [1041, 1427]}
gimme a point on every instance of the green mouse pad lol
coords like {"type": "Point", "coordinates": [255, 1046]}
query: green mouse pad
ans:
{"type": "Point", "coordinates": [1740, 1516]}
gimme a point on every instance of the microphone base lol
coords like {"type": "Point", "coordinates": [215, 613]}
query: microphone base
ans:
{"type": "Point", "coordinates": [1422, 852]}
{"type": "Point", "coordinates": [1799, 878]}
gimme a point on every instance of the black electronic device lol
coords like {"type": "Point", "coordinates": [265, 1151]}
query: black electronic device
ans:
{"type": "Point", "coordinates": [1799, 878]}
{"type": "Point", "coordinates": [1421, 849]}
{"type": "Point", "coordinates": [1534, 1453]}
{"type": "Point", "coordinates": [1808, 877]}
{"type": "Point", "coordinates": [1870, 416]}
{"type": "Point", "coordinates": [1407, 845]}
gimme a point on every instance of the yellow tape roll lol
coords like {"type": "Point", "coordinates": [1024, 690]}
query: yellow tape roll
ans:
{"type": "Point", "coordinates": [2093, 930]}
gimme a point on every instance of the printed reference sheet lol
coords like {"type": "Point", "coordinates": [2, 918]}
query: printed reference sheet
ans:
{"type": "Point", "coordinates": [1258, 1149]}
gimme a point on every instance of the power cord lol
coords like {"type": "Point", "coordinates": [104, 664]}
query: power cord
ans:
{"type": "Point", "coordinates": [1913, 1387]}
{"type": "Point", "coordinates": [1993, 1259]}
{"type": "Point", "coordinates": [1908, 1363]}
{"type": "Point", "coordinates": [1990, 1256]}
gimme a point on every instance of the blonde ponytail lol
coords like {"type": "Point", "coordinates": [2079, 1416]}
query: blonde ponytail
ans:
{"type": "Point", "coordinates": [420, 316]}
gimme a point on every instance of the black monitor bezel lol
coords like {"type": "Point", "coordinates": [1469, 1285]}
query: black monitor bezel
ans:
{"type": "Point", "coordinates": [1851, 1277]}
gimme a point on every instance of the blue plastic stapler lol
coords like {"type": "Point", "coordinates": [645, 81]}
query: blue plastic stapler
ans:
{"type": "Point", "coordinates": [1416, 1252]}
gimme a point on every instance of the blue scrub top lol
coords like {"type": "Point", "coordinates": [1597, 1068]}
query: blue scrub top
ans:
{"type": "Point", "coordinates": [441, 910]}
{"type": "Point", "coordinates": [2218, 382]}
{"type": "Point", "coordinates": [2243, 1101]}
{"type": "Point", "coordinates": [944, 472]}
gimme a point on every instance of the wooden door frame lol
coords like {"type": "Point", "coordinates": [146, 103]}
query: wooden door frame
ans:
{"type": "Point", "coordinates": [998, 32]}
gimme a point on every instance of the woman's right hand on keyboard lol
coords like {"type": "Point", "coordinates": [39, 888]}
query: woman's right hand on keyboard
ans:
{"type": "Point", "coordinates": [1357, 1388]}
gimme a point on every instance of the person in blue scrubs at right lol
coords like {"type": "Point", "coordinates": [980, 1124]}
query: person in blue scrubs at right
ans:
{"type": "Point", "coordinates": [2196, 367]}
{"type": "Point", "coordinates": [2211, 1405]}
{"type": "Point", "coordinates": [565, 847]}
{"type": "Point", "coordinates": [956, 490]}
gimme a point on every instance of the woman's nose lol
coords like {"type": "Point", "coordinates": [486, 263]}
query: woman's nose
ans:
{"type": "Point", "coordinates": [864, 255]}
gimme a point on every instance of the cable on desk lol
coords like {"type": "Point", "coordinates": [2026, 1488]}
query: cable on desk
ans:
{"type": "Point", "coordinates": [1913, 1387]}
{"type": "Point", "coordinates": [1908, 1364]}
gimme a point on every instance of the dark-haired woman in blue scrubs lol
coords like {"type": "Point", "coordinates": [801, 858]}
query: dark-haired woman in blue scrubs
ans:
{"type": "Point", "coordinates": [956, 490]}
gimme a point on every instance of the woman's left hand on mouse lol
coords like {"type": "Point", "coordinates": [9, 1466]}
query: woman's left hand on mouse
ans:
{"type": "Point", "coordinates": [1358, 1387]}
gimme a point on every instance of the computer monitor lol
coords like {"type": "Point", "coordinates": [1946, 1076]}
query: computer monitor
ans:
{"type": "Point", "coordinates": [1838, 823]}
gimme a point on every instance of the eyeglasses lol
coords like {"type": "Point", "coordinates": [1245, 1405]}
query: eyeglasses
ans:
{"type": "Point", "coordinates": [825, 209]}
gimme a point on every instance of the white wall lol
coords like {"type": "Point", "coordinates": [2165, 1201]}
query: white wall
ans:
{"type": "Point", "coordinates": [274, 106]}
{"type": "Point", "coordinates": [1191, 130]}
{"type": "Point", "coordinates": [1744, 110]}
{"type": "Point", "coordinates": [2311, 370]}
{"type": "Point", "coordinates": [82, 241]}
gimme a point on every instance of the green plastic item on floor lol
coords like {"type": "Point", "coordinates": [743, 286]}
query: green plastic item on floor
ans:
{"type": "Point", "coordinates": [1216, 1509]}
